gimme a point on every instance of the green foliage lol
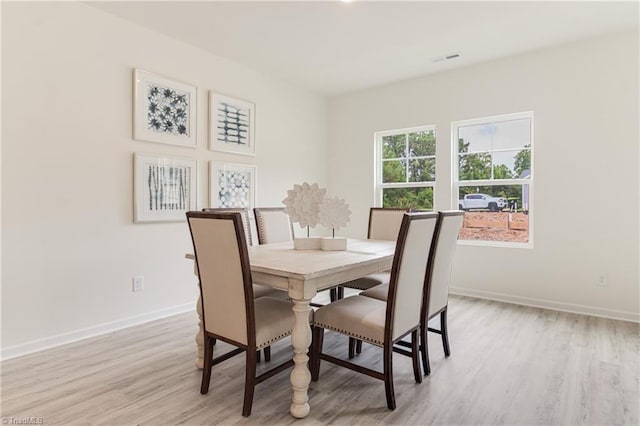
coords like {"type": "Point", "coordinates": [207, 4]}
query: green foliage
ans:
{"type": "Point", "coordinates": [473, 166]}
{"type": "Point", "coordinates": [422, 144]}
{"type": "Point", "coordinates": [394, 146]}
{"type": "Point", "coordinates": [404, 150]}
{"type": "Point", "coordinates": [422, 170]}
{"type": "Point", "coordinates": [417, 198]}
{"type": "Point", "coordinates": [501, 171]}
{"type": "Point", "coordinates": [478, 165]}
{"type": "Point", "coordinates": [523, 161]}
{"type": "Point", "coordinates": [394, 171]}
{"type": "Point", "coordinates": [504, 191]}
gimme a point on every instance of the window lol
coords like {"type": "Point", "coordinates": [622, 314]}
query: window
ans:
{"type": "Point", "coordinates": [493, 177]}
{"type": "Point", "coordinates": [406, 167]}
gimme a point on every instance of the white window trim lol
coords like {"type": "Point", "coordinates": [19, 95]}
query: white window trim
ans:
{"type": "Point", "coordinates": [455, 183]}
{"type": "Point", "coordinates": [378, 185]}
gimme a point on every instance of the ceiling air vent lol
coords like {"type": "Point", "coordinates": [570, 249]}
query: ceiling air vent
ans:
{"type": "Point", "coordinates": [448, 57]}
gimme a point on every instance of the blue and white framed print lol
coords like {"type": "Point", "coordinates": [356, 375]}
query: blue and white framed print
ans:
{"type": "Point", "coordinates": [232, 185]}
{"type": "Point", "coordinates": [164, 110]}
{"type": "Point", "coordinates": [231, 124]}
{"type": "Point", "coordinates": [164, 188]}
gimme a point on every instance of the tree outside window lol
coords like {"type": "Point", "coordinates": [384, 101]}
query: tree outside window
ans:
{"type": "Point", "coordinates": [493, 177]}
{"type": "Point", "coordinates": [406, 167]}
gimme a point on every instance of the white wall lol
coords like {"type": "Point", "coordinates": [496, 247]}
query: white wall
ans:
{"type": "Point", "coordinates": [585, 99]}
{"type": "Point", "coordinates": [69, 247]}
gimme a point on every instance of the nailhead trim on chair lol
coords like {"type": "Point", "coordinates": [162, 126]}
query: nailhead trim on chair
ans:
{"type": "Point", "coordinates": [260, 224]}
{"type": "Point", "coordinates": [350, 334]}
{"type": "Point", "coordinates": [275, 339]}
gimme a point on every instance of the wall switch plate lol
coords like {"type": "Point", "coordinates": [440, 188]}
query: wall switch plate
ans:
{"type": "Point", "coordinates": [603, 280]}
{"type": "Point", "coordinates": [138, 283]}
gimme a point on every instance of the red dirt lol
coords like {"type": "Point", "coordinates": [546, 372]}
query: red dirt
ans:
{"type": "Point", "coordinates": [496, 229]}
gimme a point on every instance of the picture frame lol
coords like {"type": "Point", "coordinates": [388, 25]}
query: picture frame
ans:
{"type": "Point", "coordinates": [164, 110]}
{"type": "Point", "coordinates": [231, 124]}
{"type": "Point", "coordinates": [232, 185]}
{"type": "Point", "coordinates": [164, 188]}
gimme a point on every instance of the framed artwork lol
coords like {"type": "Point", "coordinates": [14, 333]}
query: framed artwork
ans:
{"type": "Point", "coordinates": [231, 124]}
{"type": "Point", "coordinates": [164, 188]}
{"type": "Point", "coordinates": [163, 110]}
{"type": "Point", "coordinates": [232, 185]}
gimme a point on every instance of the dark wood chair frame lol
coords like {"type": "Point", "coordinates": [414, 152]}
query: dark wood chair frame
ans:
{"type": "Point", "coordinates": [424, 314]}
{"type": "Point", "coordinates": [244, 212]}
{"type": "Point", "coordinates": [340, 289]}
{"type": "Point", "coordinates": [355, 346]}
{"type": "Point", "coordinates": [256, 212]}
{"type": "Point", "coordinates": [389, 344]}
{"type": "Point", "coordinates": [251, 380]}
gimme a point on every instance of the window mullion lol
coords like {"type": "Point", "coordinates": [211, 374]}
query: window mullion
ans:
{"type": "Point", "coordinates": [406, 156]}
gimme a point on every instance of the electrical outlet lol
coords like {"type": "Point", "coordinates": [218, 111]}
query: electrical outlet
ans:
{"type": "Point", "coordinates": [603, 280]}
{"type": "Point", "coordinates": [138, 283]}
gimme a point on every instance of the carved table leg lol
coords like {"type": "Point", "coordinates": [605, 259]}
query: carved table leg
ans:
{"type": "Point", "coordinates": [200, 337]}
{"type": "Point", "coordinates": [300, 376]}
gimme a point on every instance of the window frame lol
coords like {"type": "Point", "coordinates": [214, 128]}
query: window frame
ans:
{"type": "Point", "coordinates": [379, 186]}
{"type": "Point", "coordinates": [456, 183]}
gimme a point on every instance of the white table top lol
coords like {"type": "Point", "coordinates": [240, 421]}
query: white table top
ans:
{"type": "Point", "coordinates": [281, 258]}
{"type": "Point", "coordinates": [279, 265]}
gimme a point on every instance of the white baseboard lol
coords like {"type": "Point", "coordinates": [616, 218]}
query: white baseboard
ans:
{"type": "Point", "coordinates": [548, 304]}
{"type": "Point", "coordinates": [84, 333]}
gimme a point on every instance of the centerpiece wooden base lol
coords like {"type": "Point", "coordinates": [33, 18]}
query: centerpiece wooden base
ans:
{"type": "Point", "coordinates": [309, 243]}
{"type": "Point", "coordinates": [332, 244]}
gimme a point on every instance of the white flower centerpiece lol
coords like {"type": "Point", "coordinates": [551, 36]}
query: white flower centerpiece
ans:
{"type": "Point", "coordinates": [334, 213]}
{"type": "Point", "coordinates": [303, 206]}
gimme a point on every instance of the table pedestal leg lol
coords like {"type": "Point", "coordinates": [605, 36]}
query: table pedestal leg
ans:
{"type": "Point", "coordinates": [199, 337]}
{"type": "Point", "coordinates": [300, 376]}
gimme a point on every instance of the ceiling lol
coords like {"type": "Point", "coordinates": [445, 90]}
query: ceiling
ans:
{"type": "Point", "coordinates": [338, 47]}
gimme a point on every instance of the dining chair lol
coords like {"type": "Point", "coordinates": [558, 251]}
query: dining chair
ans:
{"type": "Point", "coordinates": [436, 297]}
{"type": "Point", "coordinates": [273, 224]}
{"type": "Point", "coordinates": [230, 312]}
{"type": "Point", "coordinates": [258, 290]}
{"type": "Point", "coordinates": [383, 323]}
{"type": "Point", "coordinates": [384, 224]}
{"type": "Point", "coordinates": [246, 220]}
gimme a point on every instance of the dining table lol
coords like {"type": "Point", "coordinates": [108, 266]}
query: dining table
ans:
{"type": "Point", "coordinates": [302, 273]}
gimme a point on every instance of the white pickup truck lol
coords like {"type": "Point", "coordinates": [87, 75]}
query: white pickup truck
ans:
{"type": "Point", "coordinates": [482, 201]}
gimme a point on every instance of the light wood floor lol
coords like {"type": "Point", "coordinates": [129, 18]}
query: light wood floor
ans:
{"type": "Point", "coordinates": [510, 365]}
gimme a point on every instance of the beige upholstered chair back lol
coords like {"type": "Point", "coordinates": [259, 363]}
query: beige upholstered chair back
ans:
{"type": "Point", "coordinates": [274, 225]}
{"type": "Point", "coordinates": [246, 220]}
{"type": "Point", "coordinates": [409, 271]}
{"type": "Point", "coordinates": [384, 223]}
{"type": "Point", "coordinates": [444, 248]}
{"type": "Point", "coordinates": [225, 274]}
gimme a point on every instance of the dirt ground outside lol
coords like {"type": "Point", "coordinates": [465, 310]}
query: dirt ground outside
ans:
{"type": "Point", "coordinates": [495, 226]}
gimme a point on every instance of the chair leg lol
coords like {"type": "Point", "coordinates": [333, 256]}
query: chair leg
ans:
{"type": "Point", "coordinates": [424, 348]}
{"type": "Point", "coordinates": [267, 354]}
{"type": "Point", "coordinates": [352, 347]}
{"type": "Point", "coordinates": [340, 293]}
{"type": "Point", "coordinates": [445, 332]}
{"type": "Point", "coordinates": [258, 356]}
{"type": "Point", "coordinates": [388, 376]}
{"type": "Point", "coordinates": [333, 295]}
{"type": "Point", "coordinates": [249, 381]}
{"type": "Point", "coordinates": [359, 347]}
{"type": "Point", "coordinates": [417, 374]}
{"type": "Point", "coordinates": [208, 363]}
{"type": "Point", "coordinates": [318, 337]}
